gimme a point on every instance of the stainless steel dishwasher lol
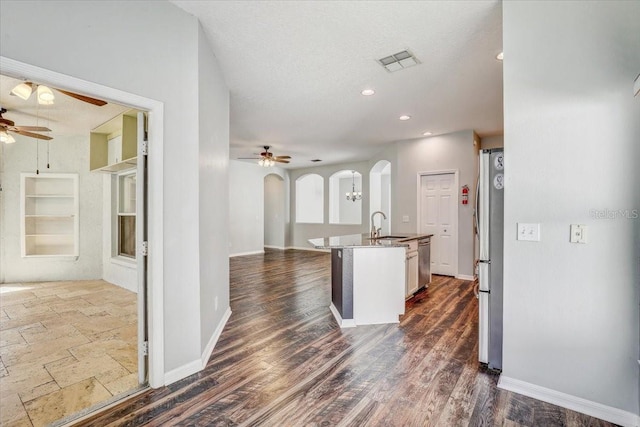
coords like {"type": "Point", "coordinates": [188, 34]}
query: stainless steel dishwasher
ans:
{"type": "Point", "coordinates": [424, 262]}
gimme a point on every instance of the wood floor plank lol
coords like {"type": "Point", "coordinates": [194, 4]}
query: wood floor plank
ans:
{"type": "Point", "coordinates": [282, 360]}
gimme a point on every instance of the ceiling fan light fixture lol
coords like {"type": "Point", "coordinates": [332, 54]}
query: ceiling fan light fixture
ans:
{"type": "Point", "coordinates": [22, 91]}
{"type": "Point", "coordinates": [45, 95]}
{"type": "Point", "coordinates": [6, 138]}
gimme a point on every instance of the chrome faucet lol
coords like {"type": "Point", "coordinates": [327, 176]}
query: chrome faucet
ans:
{"type": "Point", "coordinates": [375, 232]}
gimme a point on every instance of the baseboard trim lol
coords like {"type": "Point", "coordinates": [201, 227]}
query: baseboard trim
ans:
{"type": "Point", "coordinates": [297, 248]}
{"type": "Point", "coordinates": [246, 253]}
{"type": "Point", "coordinates": [578, 404]}
{"type": "Point", "coordinates": [465, 277]}
{"type": "Point", "coordinates": [206, 354]}
{"type": "Point", "coordinates": [282, 248]}
{"type": "Point", "coordinates": [343, 323]}
{"type": "Point", "coordinates": [182, 371]}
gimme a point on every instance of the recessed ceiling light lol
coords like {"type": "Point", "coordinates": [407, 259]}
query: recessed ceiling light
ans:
{"type": "Point", "coordinates": [500, 56]}
{"type": "Point", "coordinates": [368, 92]}
{"type": "Point", "coordinates": [427, 133]}
{"type": "Point", "coordinates": [405, 117]}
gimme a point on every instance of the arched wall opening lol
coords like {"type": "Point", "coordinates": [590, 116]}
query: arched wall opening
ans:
{"type": "Point", "coordinates": [380, 193]}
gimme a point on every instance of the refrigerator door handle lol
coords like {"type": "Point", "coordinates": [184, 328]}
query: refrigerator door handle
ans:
{"type": "Point", "coordinates": [476, 213]}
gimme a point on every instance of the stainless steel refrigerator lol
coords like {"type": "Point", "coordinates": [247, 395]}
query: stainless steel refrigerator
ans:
{"type": "Point", "coordinates": [490, 229]}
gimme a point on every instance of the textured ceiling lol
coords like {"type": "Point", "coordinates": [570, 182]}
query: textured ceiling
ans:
{"type": "Point", "coordinates": [295, 70]}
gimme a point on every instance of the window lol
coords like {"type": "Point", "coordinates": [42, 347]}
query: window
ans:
{"type": "Point", "coordinates": [310, 199]}
{"type": "Point", "coordinates": [341, 209]}
{"type": "Point", "coordinates": [126, 210]}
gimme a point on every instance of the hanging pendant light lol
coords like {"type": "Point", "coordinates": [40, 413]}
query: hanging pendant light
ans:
{"type": "Point", "coordinates": [354, 195]}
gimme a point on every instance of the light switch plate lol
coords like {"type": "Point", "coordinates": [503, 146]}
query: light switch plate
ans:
{"type": "Point", "coordinates": [578, 233]}
{"type": "Point", "coordinates": [405, 218]}
{"type": "Point", "coordinates": [529, 232]}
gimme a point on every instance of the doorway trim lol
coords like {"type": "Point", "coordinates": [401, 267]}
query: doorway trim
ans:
{"type": "Point", "coordinates": [456, 178]}
{"type": "Point", "coordinates": [155, 109]}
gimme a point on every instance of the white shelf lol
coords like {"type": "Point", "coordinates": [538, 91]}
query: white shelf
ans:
{"type": "Point", "coordinates": [49, 215]}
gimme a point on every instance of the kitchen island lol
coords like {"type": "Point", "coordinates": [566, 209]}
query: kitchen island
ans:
{"type": "Point", "coordinates": [368, 279]}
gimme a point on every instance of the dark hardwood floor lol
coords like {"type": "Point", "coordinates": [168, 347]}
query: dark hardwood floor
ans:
{"type": "Point", "coordinates": [283, 361]}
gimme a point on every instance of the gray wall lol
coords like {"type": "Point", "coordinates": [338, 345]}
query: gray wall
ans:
{"type": "Point", "coordinates": [349, 212]}
{"type": "Point", "coordinates": [488, 142]}
{"type": "Point", "coordinates": [302, 232]}
{"type": "Point", "coordinates": [126, 49]}
{"type": "Point", "coordinates": [274, 211]}
{"type": "Point", "coordinates": [67, 155]}
{"type": "Point", "coordinates": [443, 152]}
{"type": "Point", "coordinates": [213, 121]}
{"type": "Point", "coordinates": [572, 129]}
{"type": "Point", "coordinates": [247, 208]}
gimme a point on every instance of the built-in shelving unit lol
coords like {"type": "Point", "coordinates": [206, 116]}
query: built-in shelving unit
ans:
{"type": "Point", "coordinates": [49, 215]}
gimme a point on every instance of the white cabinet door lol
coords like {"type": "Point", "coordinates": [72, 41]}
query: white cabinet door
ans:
{"type": "Point", "coordinates": [412, 273]}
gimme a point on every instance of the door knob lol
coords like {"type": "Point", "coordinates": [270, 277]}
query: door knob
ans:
{"type": "Point", "coordinates": [445, 231]}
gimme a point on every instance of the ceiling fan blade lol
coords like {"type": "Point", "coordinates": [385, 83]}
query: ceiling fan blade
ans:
{"type": "Point", "coordinates": [283, 157]}
{"type": "Point", "coordinates": [280, 160]}
{"type": "Point", "coordinates": [32, 128]}
{"type": "Point", "coordinates": [32, 135]}
{"type": "Point", "coordinates": [84, 98]}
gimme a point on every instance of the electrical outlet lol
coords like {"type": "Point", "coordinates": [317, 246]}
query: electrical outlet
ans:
{"type": "Point", "coordinates": [405, 218]}
{"type": "Point", "coordinates": [215, 303]}
{"type": "Point", "coordinates": [529, 232]}
{"type": "Point", "coordinates": [578, 233]}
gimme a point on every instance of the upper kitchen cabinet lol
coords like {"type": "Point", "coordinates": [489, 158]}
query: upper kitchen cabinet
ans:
{"type": "Point", "coordinates": [114, 146]}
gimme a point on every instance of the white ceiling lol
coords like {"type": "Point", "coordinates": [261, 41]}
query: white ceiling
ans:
{"type": "Point", "coordinates": [295, 70]}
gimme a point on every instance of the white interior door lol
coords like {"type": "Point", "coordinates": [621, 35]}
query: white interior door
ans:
{"type": "Point", "coordinates": [438, 216]}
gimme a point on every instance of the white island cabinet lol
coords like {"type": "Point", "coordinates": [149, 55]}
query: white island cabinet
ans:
{"type": "Point", "coordinates": [367, 279]}
{"type": "Point", "coordinates": [49, 215]}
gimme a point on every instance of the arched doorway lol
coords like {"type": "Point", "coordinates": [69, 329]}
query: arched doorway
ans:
{"type": "Point", "coordinates": [380, 192]}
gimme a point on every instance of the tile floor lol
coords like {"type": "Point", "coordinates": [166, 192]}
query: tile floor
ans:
{"type": "Point", "coordinates": [64, 346]}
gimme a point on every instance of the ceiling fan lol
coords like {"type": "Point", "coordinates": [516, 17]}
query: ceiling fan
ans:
{"type": "Point", "coordinates": [7, 126]}
{"type": "Point", "coordinates": [267, 158]}
{"type": "Point", "coordinates": [45, 94]}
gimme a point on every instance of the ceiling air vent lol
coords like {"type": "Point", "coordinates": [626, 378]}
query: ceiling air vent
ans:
{"type": "Point", "coordinates": [398, 61]}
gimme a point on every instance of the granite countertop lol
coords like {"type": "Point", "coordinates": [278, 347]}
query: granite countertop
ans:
{"type": "Point", "coordinates": [364, 241]}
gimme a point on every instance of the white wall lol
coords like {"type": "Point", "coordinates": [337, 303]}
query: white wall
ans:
{"type": "Point", "coordinates": [246, 206]}
{"type": "Point", "coordinates": [127, 49]}
{"type": "Point", "coordinates": [274, 211]}
{"type": "Point", "coordinates": [450, 151]}
{"type": "Point", "coordinates": [572, 129]}
{"type": "Point", "coordinates": [67, 155]}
